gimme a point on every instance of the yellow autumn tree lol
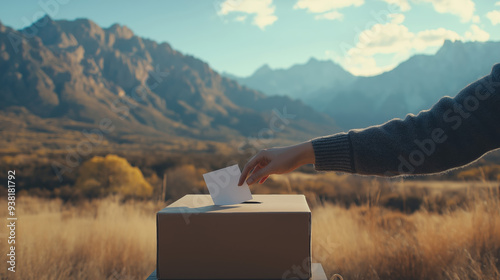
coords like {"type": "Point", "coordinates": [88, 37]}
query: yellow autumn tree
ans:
{"type": "Point", "coordinates": [101, 176]}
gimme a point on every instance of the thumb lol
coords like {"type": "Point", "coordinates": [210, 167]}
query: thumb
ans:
{"type": "Point", "coordinates": [259, 174]}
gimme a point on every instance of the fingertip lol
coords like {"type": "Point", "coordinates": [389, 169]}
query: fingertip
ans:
{"type": "Point", "coordinates": [250, 181]}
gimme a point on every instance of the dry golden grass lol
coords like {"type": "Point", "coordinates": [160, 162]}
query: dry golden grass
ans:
{"type": "Point", "coordinates": [104, 239]}
{"type": "Point", "coordinates": [109, 239]}
{"type": "Point", "coordinates": [375, 243]}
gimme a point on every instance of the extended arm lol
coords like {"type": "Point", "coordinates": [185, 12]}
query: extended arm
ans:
{"type": "Point", "coordinates": [454, 132]}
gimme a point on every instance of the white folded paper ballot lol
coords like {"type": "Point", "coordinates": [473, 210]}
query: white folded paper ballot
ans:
{"type": "Point", "coordinates": [223, 186]}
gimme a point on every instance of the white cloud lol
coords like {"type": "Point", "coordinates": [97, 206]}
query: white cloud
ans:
{"type": "Point", "coordinates": [263, 10]}
{"type": "Point", "coordinates": [396, 42]}
{"type": "Point", "coordinates": [402, 4]}
{"type": "Point", "coordinates": [475, 33]}
{"type": "Point", "coordinates": [497, 3]}
{"type": "Point", "coordinates": [476, 19]}
{"type": "Point", "coordinates": [433, 38]}
{"type": "Point", "coordinates": [333, 15]}
{"type": "Point", "coordinates": [321, 6]}
{"type": "Point", "coordinates": [241, 18]}
{"type": "Point", "coordinates": [462, 8]}
{"type": "Point", "coordinates": [494, 16]}
{"type": "Point", "coordinates": [397, 18]}
{"type": "Point", "coordinates": [364, 66]}
{"type": "Point", "coordinates": [395, 37]}
{"type": "Point", "coordinates": [326, 8]}
{"type": "Point", "coordinates": [383, 38]}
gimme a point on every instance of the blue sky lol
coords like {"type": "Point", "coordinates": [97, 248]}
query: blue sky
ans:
{"type": "Point", "coordinates": [366, 37]}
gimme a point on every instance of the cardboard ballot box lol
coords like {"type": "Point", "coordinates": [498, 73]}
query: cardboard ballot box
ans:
{"type": "Point", "coordinates": [268, 237]}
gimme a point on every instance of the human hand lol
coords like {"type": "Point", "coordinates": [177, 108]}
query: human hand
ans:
{"type": "Point", "coordinates": [276, 161]}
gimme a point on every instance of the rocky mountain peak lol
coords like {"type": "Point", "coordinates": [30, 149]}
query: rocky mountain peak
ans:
{"type": "Point", "coordinates": [50, 32]}
{"type": "Point", "coordinates": [263, 70]}
{"type": "Point", "coordinates": [121, 31]}
{"type": "Point", "coordinates": [43, 23]}
{"type": "Point", "coordinates": [45, 20]}
{"type": "Point", "coordinates": [85, 28]}
{"type": "Point", "coordinates": [312, 60]}
{"type": "Point", "coordinates": [449, 46]}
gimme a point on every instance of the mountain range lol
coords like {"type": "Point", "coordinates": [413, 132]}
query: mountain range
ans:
{"type": "Point", "coordinates": [355, 102]}
{"type": "Point", "coordinates": [60, 75]}
{"type": "Point", "coordinates": [298, 81]}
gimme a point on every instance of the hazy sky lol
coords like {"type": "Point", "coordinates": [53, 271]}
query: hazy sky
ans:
{"type": "Point", "coordinates": [237, 36]}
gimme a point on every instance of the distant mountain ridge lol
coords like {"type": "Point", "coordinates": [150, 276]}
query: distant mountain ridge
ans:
{"type": "Point", "coordinates": [412, 86]}
{"type": "Point", "coordinates": [77, 72]}
{"type": "Point", "coordinates": [298, 81]}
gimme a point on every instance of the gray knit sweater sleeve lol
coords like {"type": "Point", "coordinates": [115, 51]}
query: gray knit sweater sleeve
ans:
{"type": "Point", "coordinates": [454, 132]}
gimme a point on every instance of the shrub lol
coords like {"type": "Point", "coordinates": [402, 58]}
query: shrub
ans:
{"type": "Point", "coordinates": [102, 176]}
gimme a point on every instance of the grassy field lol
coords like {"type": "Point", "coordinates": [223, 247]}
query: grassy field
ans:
{"type": "Point", "coordinates": [102, 239]}
{"type": "Point", "coordinates": [372, 243]}
{"type": "Point", "coordinates": [111, 239]}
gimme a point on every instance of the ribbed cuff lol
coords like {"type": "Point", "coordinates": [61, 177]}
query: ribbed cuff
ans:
{"type": "Point", "coordinates": [333, 153]}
